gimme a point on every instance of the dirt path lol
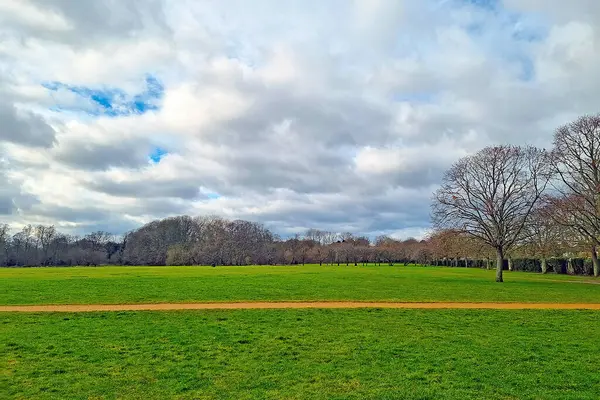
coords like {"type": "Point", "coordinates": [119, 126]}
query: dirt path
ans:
{"type": "Point", "coordinates": [566, 281]}
{"type": "Point", "coordinates": [280, 305]}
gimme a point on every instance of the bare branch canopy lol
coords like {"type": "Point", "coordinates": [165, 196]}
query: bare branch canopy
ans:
{"type": "Point", "coordinates": [490, 195]}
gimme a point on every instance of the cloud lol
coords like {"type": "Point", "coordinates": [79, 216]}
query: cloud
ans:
{"type": "Point", "coordinates": [83, 153]}
{"type": "Point", "coordinates": [24, 127]}
{"type": "Point", "coordinates": [147, 189]}
{"type": "Point", "coordinates": [82, 24]}
{"type": "Point", "coordinates": [12, 197]}
{"type": "Point", "coordinates": [25, 14]}
{"type": "Point", "coordinates": [339, 115]}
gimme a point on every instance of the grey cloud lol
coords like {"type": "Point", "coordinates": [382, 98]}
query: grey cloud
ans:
{"type": "Point", "coordinates": [313, 153]}
{"type": "Point", "coordinates": [114, 225]}
{"type": "Point", "coordinates": [375, 212]}
{"type": "Point", "coordinates": [147, 188]}
{"type": "Point", "coordinates": [160, 207]}
{"type": "Point", "coordinates": [259, 173]}
{"type": "Point", "coordinates": [97, 21]}
{"type": "Point", "coordinates": [6, 203]}
{"type": "Point", "coordinates": [12, 197]}
{"type": "Point", "coordinates": [100, 156]}
{"type": "Point", "coordinates": [23, 127]}
{"type": "Point", "coordinates": [92, 218]}
{"type": "Point", "coordinates": [422, 175]}
{"type": "Point", "coordinates": [7, 193]}
{"type": "Point", "coordinates": [333, 121]}
{"type": "Point", "coordinates": [70, 214]}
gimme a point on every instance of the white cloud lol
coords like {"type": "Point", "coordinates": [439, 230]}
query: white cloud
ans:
{"type": "Point", "coordinates": [339, 115]}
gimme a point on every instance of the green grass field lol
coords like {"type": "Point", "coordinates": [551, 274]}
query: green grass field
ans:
{"type": "Point", "coordinates": [296, 354]}
{"type": "Point", "coordinates": [113, 285]}
{"type": "Point", "coordinates": [302, 354]}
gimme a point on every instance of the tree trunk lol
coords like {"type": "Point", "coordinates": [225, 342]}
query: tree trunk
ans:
{"type": "Point", "coordinates": [510, 263]}
{"type": "Point", "coordinates": [544, 265]}
{"type": "Point", "coordinates": [466, 262]}
{"type": "Point", "coordinates": [570, 268]}
{"type": "Point", "coordinates": [595, 262]}
{"type": "Point", "coordinates": [499, 264]}
{"type": "Point", "coordinates": [487, 263]}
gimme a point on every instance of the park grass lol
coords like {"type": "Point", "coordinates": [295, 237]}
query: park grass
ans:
{"type": "Point", "coordinates": [301, 354]}
{"type": "Point", "coordinates": [122, 285]}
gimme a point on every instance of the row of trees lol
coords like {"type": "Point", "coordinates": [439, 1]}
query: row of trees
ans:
{"type": "Point", "coordinates": [44, 245]}
{"type": "Point", "coordinates": [215, 241]}
{"type": "Point", "coordinates": [512, 199]}
{"type": "Point", "coordinates": [554, 251]}
{"type": "Point", "coordinates": [185, 240]}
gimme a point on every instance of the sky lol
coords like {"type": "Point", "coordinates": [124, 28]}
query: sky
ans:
{"type": "Point", "coordinates": [333, 114]}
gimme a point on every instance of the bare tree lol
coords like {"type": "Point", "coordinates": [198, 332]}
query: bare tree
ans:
{"type": "Point", "coordinates": [329, 238]}
{"type": "Point", "coordinates": [315, 235]}
{"type": "Point", "coordinates": [387, 248]}
{"type": "Point", "coordinates": [447, 245]}
{"type": "Point", "coordinates": [544, 239]}
{"type": "Point", "coordinates": [45, 236]}
{"type": "Point", "coordinates": [577, 156]}
{"type": "Point", "coordinates": [24, 250]}
{"type": "Point", "coordinates": [491, 194]}
{"type": "Point", "coordinates": [4, 243]}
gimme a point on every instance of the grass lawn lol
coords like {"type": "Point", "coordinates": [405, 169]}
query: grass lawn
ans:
{"type": "Point", "coordinates": [113, 285]}
{"type": "Point", "coordinates": [300, 354]}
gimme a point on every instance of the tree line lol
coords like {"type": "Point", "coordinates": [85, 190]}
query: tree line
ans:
{"type": "Point", "coordinates": [186, 240]}
{"type": "Point", "coordinates": [523, 200]}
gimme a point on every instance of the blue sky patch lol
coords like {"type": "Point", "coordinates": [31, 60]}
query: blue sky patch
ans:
{"type": "Point", "coordinates": [213, 196]}
{"type": "Point", "coordinates": [210, 194]}
{"type": "Point", "coordinates": [108, 101]}
{"type": "Point", "coordinates": [157, 154]}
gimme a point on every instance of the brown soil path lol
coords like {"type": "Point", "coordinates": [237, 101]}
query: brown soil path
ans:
{"type": "Point", "coordinates": [566, 281]}
{"type": "Point", "coordinates": [281, 305]}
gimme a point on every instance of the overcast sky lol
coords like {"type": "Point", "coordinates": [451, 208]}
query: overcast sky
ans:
{"type": "Point", "coordinates": [332, 114]}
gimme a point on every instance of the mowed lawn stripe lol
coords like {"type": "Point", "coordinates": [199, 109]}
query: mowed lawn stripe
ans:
{"type": "Point", "coordinates": [140, 285]}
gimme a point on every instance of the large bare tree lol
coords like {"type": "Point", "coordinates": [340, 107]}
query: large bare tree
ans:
{"type": "Point", "coordinates": [491, 194]}
{"type": "Point", "coordinates": [577, 163]}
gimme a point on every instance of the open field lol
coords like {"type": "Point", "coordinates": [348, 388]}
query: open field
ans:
{"type": "Point", "coordinates": [362, 353]}
{"type": "Point", "coordinates": [122, 285]}
{"type": "Point", "coordinates": [297, 354]}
